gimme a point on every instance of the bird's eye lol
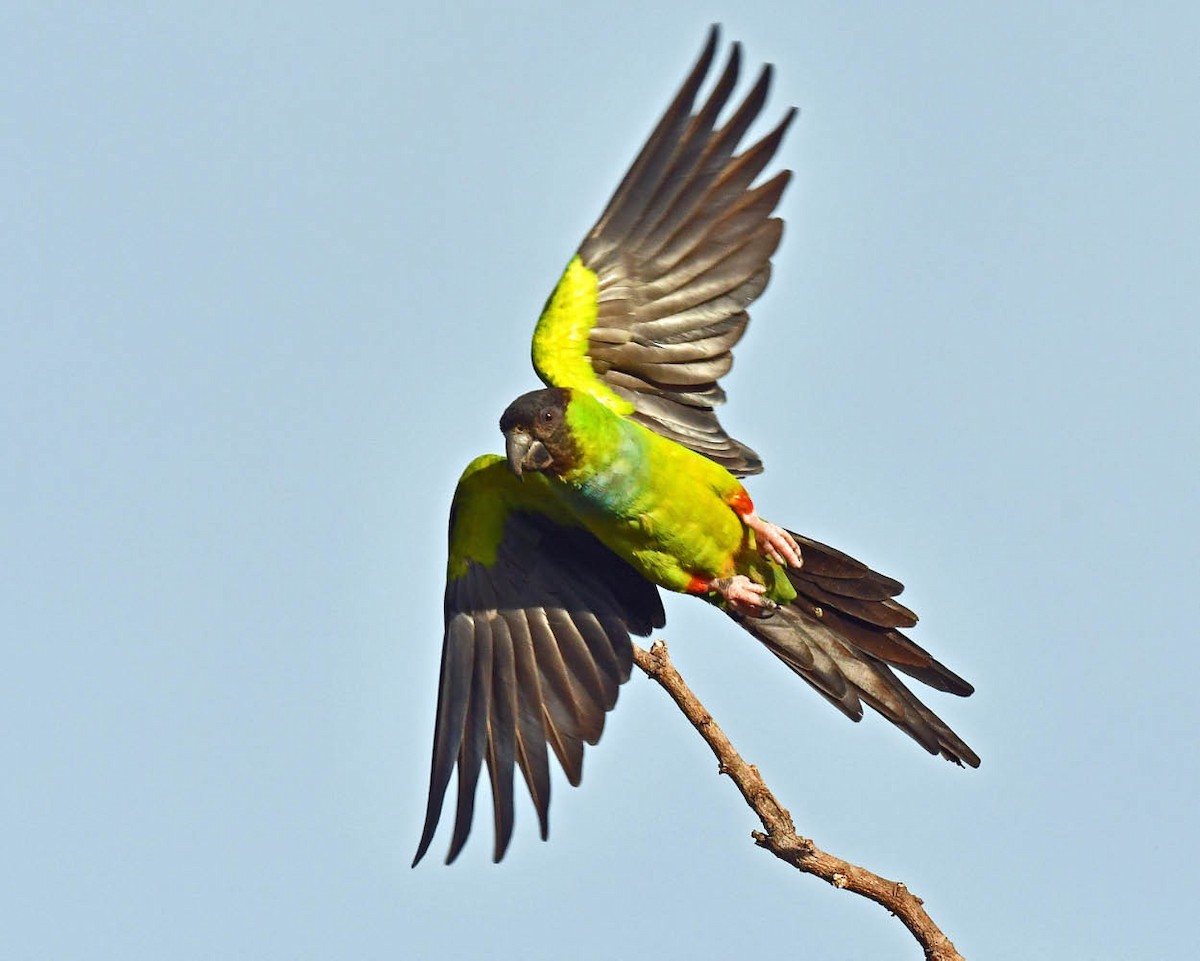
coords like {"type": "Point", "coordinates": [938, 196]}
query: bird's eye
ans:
{"type": "Point", "coordinates": [547, 416]}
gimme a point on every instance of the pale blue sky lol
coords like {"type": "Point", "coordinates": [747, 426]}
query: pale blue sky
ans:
{"type": "Point", "coordinates": [268, 276]}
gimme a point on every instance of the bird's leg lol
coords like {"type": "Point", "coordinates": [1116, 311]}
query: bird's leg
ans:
{"type": "Point", "coordinates": [742, 595]}
{"type": "Point", "coordinates": [774, 543]}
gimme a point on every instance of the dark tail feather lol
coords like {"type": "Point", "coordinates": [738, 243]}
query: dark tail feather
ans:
{"type": "Point", "coordinates": [840, 635]}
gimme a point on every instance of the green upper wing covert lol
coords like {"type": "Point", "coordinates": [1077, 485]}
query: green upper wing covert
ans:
{"type": "Point", "coordinates": [538, 617]}
{"type": "Point", "coordinates": [647, 312]}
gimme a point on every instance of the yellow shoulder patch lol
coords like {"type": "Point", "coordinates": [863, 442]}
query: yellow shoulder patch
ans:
{"type": "Point", "coordinates": [487, 493]}
{"type": "Point", "coordinates": [560, 340]}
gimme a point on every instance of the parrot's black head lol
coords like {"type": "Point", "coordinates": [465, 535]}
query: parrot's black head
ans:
{"type": "Point", "coordinates": [536, 434]}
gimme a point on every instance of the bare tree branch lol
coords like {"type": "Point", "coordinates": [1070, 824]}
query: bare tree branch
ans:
{"type": "Point", "coordinates": [781, 838]}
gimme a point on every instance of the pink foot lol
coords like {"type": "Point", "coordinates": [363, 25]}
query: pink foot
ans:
{"type": "Point", "coordinates": [774, 543]}
{"type": "Point", "coordinates": [744, 595]}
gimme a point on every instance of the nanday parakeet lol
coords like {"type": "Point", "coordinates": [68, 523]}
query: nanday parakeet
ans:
{"type": "Point", "coordinates": [618, 477]}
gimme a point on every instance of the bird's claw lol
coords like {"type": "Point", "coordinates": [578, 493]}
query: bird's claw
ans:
{"type": "Point", "coordinates": [774, 543]}
{"type": "Point", "coordinates": [744, 596]}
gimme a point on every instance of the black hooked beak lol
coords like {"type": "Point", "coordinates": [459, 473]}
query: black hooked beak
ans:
{"type": "Point", "coordinates": [525, 453]}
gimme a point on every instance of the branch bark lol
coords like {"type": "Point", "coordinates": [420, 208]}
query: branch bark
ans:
{"type": "Point", "coordinates": [780, 837]}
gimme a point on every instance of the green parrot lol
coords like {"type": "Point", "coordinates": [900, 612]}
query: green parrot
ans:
{"type": "Point", "coordinates": [618, 479]}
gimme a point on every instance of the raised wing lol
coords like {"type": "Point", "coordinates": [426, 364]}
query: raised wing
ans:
{"type": "Point", "coordinates": [648, 311]}
{"type": "Point", "coordinates": [841, 634]}
{"type": "Point", "coordinates": [538, 618]}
